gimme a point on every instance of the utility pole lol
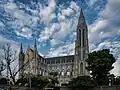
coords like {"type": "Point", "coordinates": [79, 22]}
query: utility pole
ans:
{"type": "Point", "coordinates": [29, 72]}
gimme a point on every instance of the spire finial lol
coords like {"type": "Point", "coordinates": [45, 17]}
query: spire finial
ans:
{"type": "Point", "coordinates": [21, 47]}
{"type": "Point", "coordinates": [81, 14]}
{"type": "Point", "coordinates": [81, 20]}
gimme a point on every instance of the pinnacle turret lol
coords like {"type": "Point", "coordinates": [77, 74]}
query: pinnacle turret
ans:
{"type": "Point", "coordinates": [21, 61]}
{"type": "Point", "coordinates": [21, 49]}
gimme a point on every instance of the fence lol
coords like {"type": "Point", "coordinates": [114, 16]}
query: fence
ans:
{"type": "Point", "coordinates": [93, 88]}
{"type": "Point", "coordinates": [6, 87]}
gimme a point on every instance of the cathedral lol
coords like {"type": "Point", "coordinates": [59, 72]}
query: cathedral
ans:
{"type": "Point", "coordinates": [67, 66]}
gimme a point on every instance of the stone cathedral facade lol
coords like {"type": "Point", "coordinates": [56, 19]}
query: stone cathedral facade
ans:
{"type": "Point", "coordinates": [66, 66]}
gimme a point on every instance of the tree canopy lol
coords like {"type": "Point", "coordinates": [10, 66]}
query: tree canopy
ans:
{"type": "Point", "coordinates": [37, 81]}
{"type": "Point", "coordinates": [82, 81]}
{"type": "Point", "coordinates": [100, 63]}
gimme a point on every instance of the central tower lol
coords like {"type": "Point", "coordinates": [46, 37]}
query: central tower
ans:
{"type": "Point", "coordinates": [81, 47]}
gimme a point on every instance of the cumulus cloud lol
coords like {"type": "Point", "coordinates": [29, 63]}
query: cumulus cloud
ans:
{"type": "Point", "coordinates": [67, 49]}
{"type": "Point", "coordinates": [92, 2]}
{"type": "Point", "coordinates": [25, 32]}
{"type": "Point", "coordinates": [116, 70]}
{"type": "Point", "coordinates": [57, 32]}
{"type": "Point", "coordinates": [107, 23]}
{"type": "Point", "coordinates": [4, 41]}
{"type": "Point", "coordinates": [18, 18]}
{"type": "Point", "coordinates": [46, 12]}
{"type": "Point", "coordinates": [48, 32]}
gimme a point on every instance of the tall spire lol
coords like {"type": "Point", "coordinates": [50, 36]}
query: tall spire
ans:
{"type": "Point", "coordinates": [81, 13]}
{"type": "Point", "coordinates": [81, 46]}
{"type": "Point", "coordinates": [21, 61]}
{"type": "Point", "coordinates": [81, 18]}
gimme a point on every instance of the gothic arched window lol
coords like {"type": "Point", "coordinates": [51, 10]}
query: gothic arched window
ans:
{"type": "Point", "coordinates": [62, 73]}
{"type": "Point", "coordinates": [68, 73]}
{"type": "Point", "coordinates": [81, 68]}
{"type": "Point", "coordinates": [83, 38]}
{"type": "Point", "coordinates": [80, 34]}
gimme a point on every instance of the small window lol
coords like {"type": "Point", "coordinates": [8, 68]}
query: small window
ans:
{"type": "Point", "coordinates": [58, 61]}
{"type": "Point", "coordinates": [48, 61]}
{"type": "Point", "coordinates": [63, 61]}
{"type": "Point", "coordinates": [52, 61]}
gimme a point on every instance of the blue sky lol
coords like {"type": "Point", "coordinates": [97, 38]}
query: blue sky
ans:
{"type": "Point", "coordinates": [53, 24]}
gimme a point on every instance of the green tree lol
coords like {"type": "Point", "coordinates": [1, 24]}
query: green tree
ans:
{"type": "Point", "coordinates": [116, 80]}
{"type": "Point", "coordinates": [100, 63]}
{"type": "Point", "coordinates": [38, 81]}
{"type": "Point", "coordinates": [4, 81]}
{"type": "Point", "coordinates": [22, 81]}
{"type": "Point", "coordinates": [53, 78]}
{"type": "Point", "coordinates": [82, 81]}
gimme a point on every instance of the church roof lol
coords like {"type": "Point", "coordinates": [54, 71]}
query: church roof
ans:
{"type": "Point", "coordinates": [62, 59]}
{"type": "Point", "coordinates": [69, 56]}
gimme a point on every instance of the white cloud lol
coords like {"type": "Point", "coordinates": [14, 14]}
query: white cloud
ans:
{"type": "Point", "coordinates": [55, 42]}
{"type": "Point", "coordinates": [107, 22]}
{"type": "Point", "coordinates": [25, 32]}
{"type": "Point", "coordinates": [116, 70]}
{"type": "Point", "coordinates": [56, 33]}
{"type": "Point", "coordinates": [96, 28]}
{"type": "Point", "coordinates": [48, 32]}
{"type": "Point", "coordinates": [92, 2]}
{"type": "Point", "coordinates": [46, 12]}
{"type": "Point", "coordinates": [4, 41]}
{"type": "Point", "coordinates": [18, 17]}
{"type": "Point", "coordinates": [74, 6]}
{"type": "Point", "coordinates": [67, 49]}
{"type": "Point", "coordinates": [60, 17]}
{"type": "Point", "coordinates": [67, 12]}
